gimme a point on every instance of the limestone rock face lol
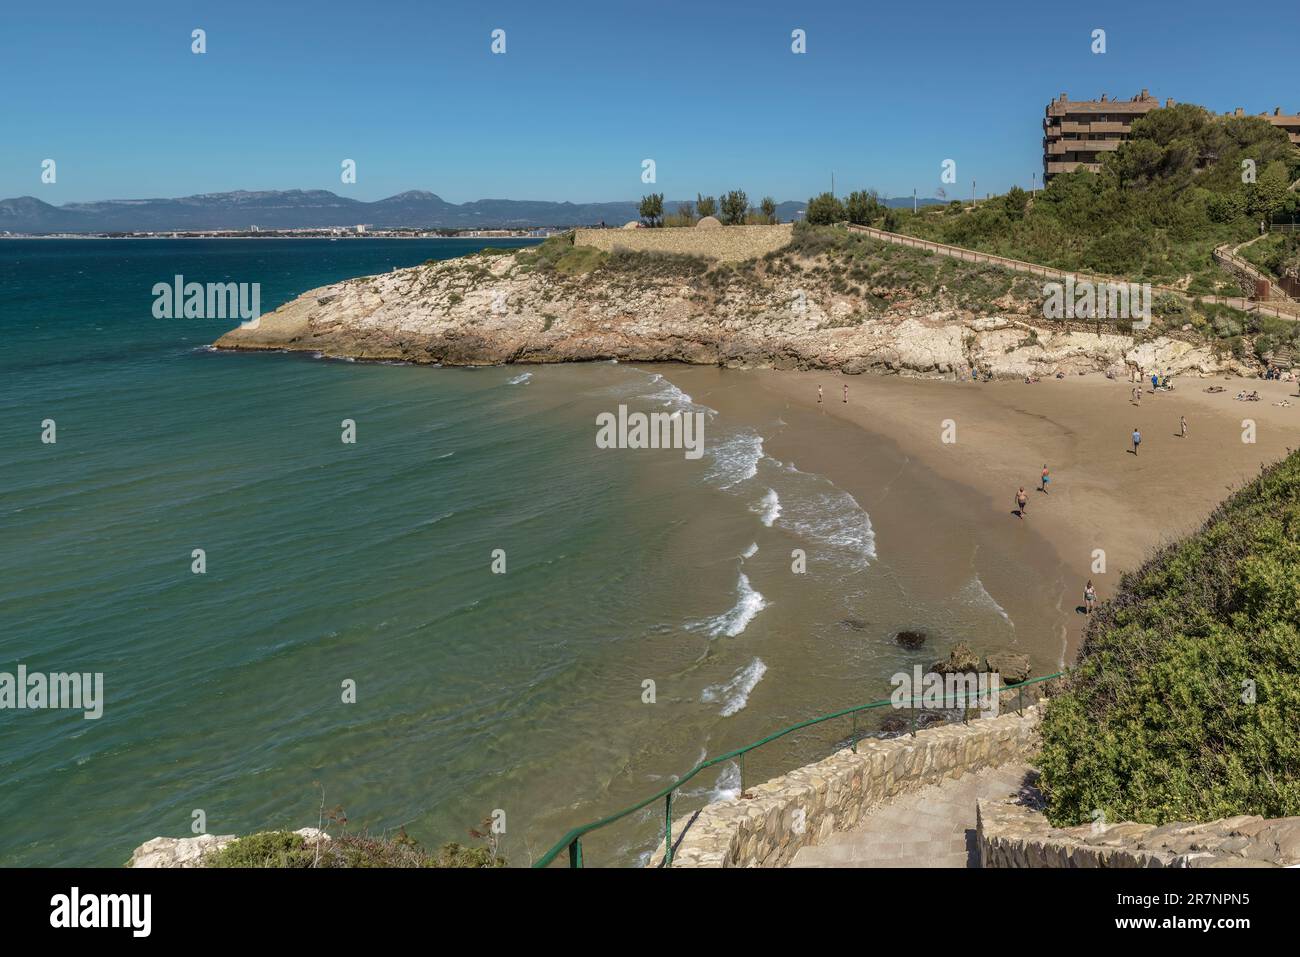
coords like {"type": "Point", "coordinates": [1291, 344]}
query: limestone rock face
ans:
{"type": "Point", "coordinates": [489, 310]}
{"type": "Point", "coordinates": [961, 660]}
{"type": "Point", "coordinates": [1012, 667]}
{"type": "Point", "coordinates": [178, 851]}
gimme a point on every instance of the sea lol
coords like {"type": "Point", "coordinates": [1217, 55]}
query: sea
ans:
{"type": "Point", "coordinates": [469, 616]}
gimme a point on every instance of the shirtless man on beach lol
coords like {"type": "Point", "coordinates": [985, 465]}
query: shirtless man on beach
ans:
{"type": "Point", "coordinates": [1182, 426]}
{"type": "Point", "coordinates": [1021, 501]}
{"type": "Point", "coordinates": [819, 395]}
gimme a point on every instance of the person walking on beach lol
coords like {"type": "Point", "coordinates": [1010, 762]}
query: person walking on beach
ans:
{"type": "Point", "coordinates": [1182, 426]}
{"type": "Point", "coordinates": [846, 393]}
{"type": "Point", "coordinates": [1137, 439]}
{"type": "Point", "coordinates": [819, 395]}
{"type": "Point", "coordinates": [1045, 479]}
{"type": "Point", "coordinates": [1021, 501]}
{"type": "Point", "coordinates": [1089, 598]}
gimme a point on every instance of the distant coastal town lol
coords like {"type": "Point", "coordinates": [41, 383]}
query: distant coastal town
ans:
{"type": "Point", "coordinates": [360, 231]}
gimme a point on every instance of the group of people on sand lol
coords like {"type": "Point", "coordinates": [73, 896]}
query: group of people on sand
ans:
{"type": "Point", "coordinates": [1044, 484]}
{"type": "Point", "coordinates": [1022, 500]}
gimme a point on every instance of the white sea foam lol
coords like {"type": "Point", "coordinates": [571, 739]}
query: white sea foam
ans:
{"type": "Point", "coordinates": [735, 459]}
{"type": "Point", "coordinates": [520, 379]}
{"type": "Point", "coordinates": [751, 551]}
{"type": "Point", "coordinates": [727, 787]}
{"type": "Point", "coordinates": [975, 593]}
{"type": "Point", "coordinates": [734, 694]}
{"type": "Point", "coordinates": [736, 619]}
{"type": "Point", "coordinates": [769, 509]}
{"type": "Point", "coordinates": [818, 510]}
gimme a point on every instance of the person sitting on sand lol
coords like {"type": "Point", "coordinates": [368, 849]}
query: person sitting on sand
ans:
{"type": "Point", "coordinates": [1240, 396]}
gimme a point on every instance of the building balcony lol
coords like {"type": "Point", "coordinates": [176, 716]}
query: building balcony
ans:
{"type": "Point", "coordinates": [1070, 167]}
{"type": "Point", "coordinates": [1063, 146]}
{"type": "Point", "coordinates": [1077, 128]}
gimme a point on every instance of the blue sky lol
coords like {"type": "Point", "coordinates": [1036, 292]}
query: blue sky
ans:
{"type": "Point", "coordinates": [586, 91]}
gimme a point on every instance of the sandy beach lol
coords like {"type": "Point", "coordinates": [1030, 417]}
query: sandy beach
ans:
{"type": "Point", "coordinates": [1101, 495]}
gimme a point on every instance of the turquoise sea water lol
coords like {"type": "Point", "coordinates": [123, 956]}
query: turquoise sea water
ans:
{"type": "Point", "coordinates": [329, 564]}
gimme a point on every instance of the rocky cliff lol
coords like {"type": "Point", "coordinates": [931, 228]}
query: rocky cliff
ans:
{"type": "Point", "coordinates": [867, 307]}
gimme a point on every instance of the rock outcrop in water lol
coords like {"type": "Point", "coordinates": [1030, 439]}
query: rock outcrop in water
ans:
{"type": "Point", "coordinates": [793, 309]}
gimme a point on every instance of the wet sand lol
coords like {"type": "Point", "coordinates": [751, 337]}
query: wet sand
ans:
{"type": "Point", "coordinates": [1101, 496]}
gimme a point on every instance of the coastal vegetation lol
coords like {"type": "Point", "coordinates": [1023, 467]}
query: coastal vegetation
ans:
{"type": "Point", "coordinates": [300, 849]}
{"type": "Point", "coordinates": [1185, 182]}
{"type": "Point", "coordinates": [287, 849]}
{"type": "Point", "coordinates": [1276, 253]}
{"type": "Point", "coordinates": [1184, 704]}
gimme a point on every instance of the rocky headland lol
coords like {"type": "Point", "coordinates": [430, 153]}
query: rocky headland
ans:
{"type": "Point", "coordinates": [828, 300]}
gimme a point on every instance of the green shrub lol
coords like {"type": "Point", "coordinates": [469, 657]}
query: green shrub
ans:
{"type": "Point", "coordinates": [1184, 704]}
{"type": "Point", "coordinates": [285, 849]}
{"type": "Point", "coordinates": [823, 210]}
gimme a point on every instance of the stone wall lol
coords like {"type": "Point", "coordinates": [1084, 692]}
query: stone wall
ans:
{"type": "Point", "coordinates": [769, 825]}
{"type": "Point", "coordinates": [1013, 835]}
{"type": "Point", "coordinates": [724, 243]}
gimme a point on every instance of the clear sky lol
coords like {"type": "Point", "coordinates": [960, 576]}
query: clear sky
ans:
{"type": "Point", "coordinates": [585, 91]}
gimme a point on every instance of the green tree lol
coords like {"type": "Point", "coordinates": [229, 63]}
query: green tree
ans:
{"type": "Point", "coordinates": [824, 210]}
{"type": "Point", "coordinates": [652, 209]}
{"type": "Point", "coordinates": [863, 207]}
{"type": "Point", "coordinates": [1266, 196]}
{"type": "Point", "coordinates": [706, 205]}
{"type": "Point", "coordinates": [1016, 202]}
{"type": "Point", "coordinates": [735, 205]}
{"type": "Point", "coordinates": [768, 207]}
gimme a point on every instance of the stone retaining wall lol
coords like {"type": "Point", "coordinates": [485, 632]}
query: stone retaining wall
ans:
{"type": "Point", "coordinates": [1012, 835]}
{"type": "Point", "coordinates": [724, 243]}
{"type": "Point", "coordinates": [768, 826]}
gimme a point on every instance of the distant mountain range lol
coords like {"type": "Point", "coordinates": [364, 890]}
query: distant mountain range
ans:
{"type": "Point", "coordinates": [319, 208]}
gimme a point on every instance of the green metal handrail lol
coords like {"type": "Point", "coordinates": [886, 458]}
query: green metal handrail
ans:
{"type": "Point", "coordinates": [573, 840]}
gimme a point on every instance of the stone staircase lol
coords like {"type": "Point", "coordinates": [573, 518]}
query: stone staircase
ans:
{"type": "Point", "coordinates": [932, 827]}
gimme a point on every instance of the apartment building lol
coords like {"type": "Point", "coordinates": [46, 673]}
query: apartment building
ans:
{"type": "Point", "coordinates": [1288, 122]}
{"type": "Point", "coordinates": [1080, 132]}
